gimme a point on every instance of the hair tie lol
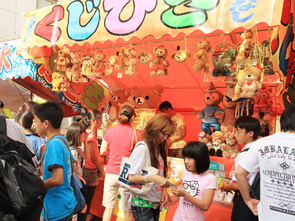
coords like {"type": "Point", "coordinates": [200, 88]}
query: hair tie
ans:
{"type": "Point", "coordinates": [126, 114]}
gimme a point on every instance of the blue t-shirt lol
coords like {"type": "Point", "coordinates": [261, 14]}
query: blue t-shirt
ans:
{"type": "Point", "coordinates": [36, 143]}
{"type": "Point", "coordinates": [59, 201]}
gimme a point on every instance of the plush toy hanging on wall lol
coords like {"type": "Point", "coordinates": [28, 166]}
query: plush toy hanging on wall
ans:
{"type": "Point", "coordinates": [99, 64]}
{"type": "Point", "coordinates": [64, 82]}
{"type": "Point", "coordinates": [144, 57]}
{"type": "Point", "coordinates": [229, 107]}
{"type": "Point", "coordinates": [263, 103]}
{"type": "Point", "coordinates": [160, 64]}
{"type": "Point", "coordinates": [202, 56]}
{"type": "Point", "coordinates": [180, 55]}
{"type": "Point", "coordinates": [62, 61]}
{"type": "Point", "coordinates": [124, 60]}
{"type": "Point", "coordinates": [212, 115]}
{"type": "Point", "coordinates": [87, 65]}
{"type": "Point", "coordinates": [112, 64]}
{"type": "Point", "coordinates": [132, 62]}
{"type": "Point", "coordinates": [245, 48]}
{"type": "Point", "coordinates": [76, 68]}
{"type": "Point", "coordinates": [55, 81]}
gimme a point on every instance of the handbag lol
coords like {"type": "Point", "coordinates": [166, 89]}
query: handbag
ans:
{"type": "Point", "coordinates": [77, 185]}
{"type": "Point", "coordinates": [123, 180]}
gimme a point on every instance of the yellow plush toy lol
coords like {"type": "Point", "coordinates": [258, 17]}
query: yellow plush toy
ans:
{"type": "Point", "coordinates": [55, 81]}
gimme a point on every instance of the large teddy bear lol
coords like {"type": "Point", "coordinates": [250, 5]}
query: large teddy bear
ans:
{"type": "Point", "coordinates": [202, 56]}
{"type": "Point", "coordinates": [145, 96]}
{"type": "Point", "coordinates": [248, 83]}
{"type": "Point", "coordinates": [160, 64]}
{"type": "Point", "coordinates": [212, 115]}
{"type": "Point", "coordinates": [117, 97]}
{"type": "Point", "coordinates": [263, 102]}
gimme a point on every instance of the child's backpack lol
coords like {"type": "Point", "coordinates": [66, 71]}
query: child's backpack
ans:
{"type": "Point", "coordinates": [21, 187]}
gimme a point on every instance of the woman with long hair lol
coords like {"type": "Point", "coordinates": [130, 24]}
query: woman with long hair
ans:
{"type": "Point", "coordinates": [155, 134]}
{"type": "Point", "coordinates": [92, 168]}
{"type": "Point", "coordinates": [119, 141]}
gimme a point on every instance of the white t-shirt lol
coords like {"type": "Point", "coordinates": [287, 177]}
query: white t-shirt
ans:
{"type": "Point", "coordinates": [274, 157]}
{"type": "Point", "coordinates": [137, 162]}
{"type": "Point", "coordinates": [239, 158]}
{"type": "Point", "coordinates": [178, 120]}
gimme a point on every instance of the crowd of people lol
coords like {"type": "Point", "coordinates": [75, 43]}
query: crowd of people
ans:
{"type": "Point", "coordinates": [270, 160]}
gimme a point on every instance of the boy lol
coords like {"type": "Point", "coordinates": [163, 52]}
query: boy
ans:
{"type": "Point", "coordinates": [59, 201]}
{"type": "Point", "coordinates": [274, 157]}
{"type": "Point", "coordinates": [246, 131]}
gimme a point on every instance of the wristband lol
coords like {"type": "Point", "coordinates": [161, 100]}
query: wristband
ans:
{"type": "Point", "coordinates": [145, 180]}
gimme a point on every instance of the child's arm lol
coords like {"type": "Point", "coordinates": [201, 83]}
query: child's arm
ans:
{"type": "Point", "coordinates": [171, 201]}
{"type": "Point", "coordinates": [94, 159]}
{"type": "Point", "coordinates": [85, 154]}
{"type": "Point", "coordinates": [203, 204]}
{"type": "Point", "coordinates": [56, 179]}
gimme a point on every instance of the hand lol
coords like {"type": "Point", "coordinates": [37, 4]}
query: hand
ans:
{"type": "Point", "coordinates": [252, 204]}
{"type": "Point", "coordinates": [161, 181]}
{"type": "Point", "coordinates": [225, 186]}
{"type": "Point", "coordinates": [178, 191]}
{"type": "Point", "coordinates": [102, 174]}
{"type": "Point", "coordinates": [165, 196]}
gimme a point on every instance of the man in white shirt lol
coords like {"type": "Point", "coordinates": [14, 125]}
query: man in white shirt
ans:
{"type": "Point", "coordinates": [274, 157]}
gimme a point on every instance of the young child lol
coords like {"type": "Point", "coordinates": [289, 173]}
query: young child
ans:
{"type": "Point", "coordinates": [197, 191]}
{"type": "Point", "coordinates": [60, 200]}
{"type": "Point", "coordinates": [246, 130]}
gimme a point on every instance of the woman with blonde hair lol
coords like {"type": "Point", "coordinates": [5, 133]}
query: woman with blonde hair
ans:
{"type": "Point", "coordinates": [155, 134]}
{"type": "Point", "coordinates": [119, 141]}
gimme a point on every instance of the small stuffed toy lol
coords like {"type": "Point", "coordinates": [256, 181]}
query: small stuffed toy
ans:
{"type": "Point", "coordinates": [64, 82]}
{"type": "Point", "coordinates": [160, 64]}
{"type": "Point", "coordinates": [263, 102]}
{"type": "Point", "coordinates": [124, 61]}
{"type": "Point", "coordinates": [145, 96]}
{"type": "Point", "coordinates": [245, 48]}
{"type": "Point", "coordinates": [248, 83]}
{"type": "Point", "coordinates": [76, 68]}
{"type": "Point", "coordinates": [87, 64]}
{"type": "Point", "coordinates": [113, 64]}
{"type": "Point", "coordinates": [55, 81]}
{"type": "Point", "coordinates": [232, 148]}
{"type": "Point", "coordinates": [132, 67]}
{"type": "Point", "coordinates": [265, 126]}
{"type": "Point", "coordinates": [212, 115]}
{"type": "Point", "coordinates": [205, 138]}
{"type": "Point", "coordinates": [62, 61]}
{"type": "Point", "coordinates": [218, 144]}
{"type": "Point", "coordinates": [202, 56]}
{"type": "Point", "coordinates": [144, 57]}
{"type": "Point", "coordinates": [99, 65]}
{"type": "Point", "coordinates": [180, 55]}
{"type": "Point", "coordinates": [229, 107]}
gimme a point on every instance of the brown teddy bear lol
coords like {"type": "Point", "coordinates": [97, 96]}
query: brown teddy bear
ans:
{"type": "Point", "coordinates": [160, 64]}
{"type": "Point", "coordinates": [124, 61]}
{"type": "Point", "coordinates": [117, 97]}
{"type": "Point", "coordinates": [245, 48]}
{"type": "Point", "coordinates": [62, 61]}
{"type": "Point", "coordinates": [99, 65]}
{"type": "Point", "coordinates": [113, 64]}
{"type": "Point", "coordinates": [181, 55]}
{"type": "Point", "coordinates": [76, 68]}
{"type": "Point", "coordinates": [64, 82]}
{"type": "Point", "coordinates": [248, 83]}
{"type": "Point", "coordinates": [229, 107]}
{"type": "Point", "coordinates": [144, 57]}
{"type": "Point", "coordinates": [232, 148]}
{"type": "Point", "coordinates": [263, 103]}
{"type": "Point", "coordinates": [212, 115]}
{"type": "Point", "coordinates": [87, 64]}
{"type": "Point", "coordinates": [145, 96]}
{"type": "Point", "coordinates": [132, 63]}
{"type": "Point", "coordinates": [202, 56]}
{"type": "Point", "coordinates": [218, 144]}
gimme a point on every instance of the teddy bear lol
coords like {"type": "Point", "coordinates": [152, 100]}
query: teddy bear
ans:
{"type": "Point", "coordinates": [218, 145]}
{"type": "Point", "coordinates": [247, 83]}
{"type": "Point", "coordinates": [55, 81]}
{"type": "Point", "coordinates": [144, 57]}
{"type": "Point", "coordinates": [112, 64]}
{"type": "Point", "coordinates": [202, 56]}
{"type": "Point", "coordinates": [117, 97]}
{"type": "Point", "coordinates": [99, 65]}
{"type": "Point", "coordinates": [160, 64]}
{"type": "Point", "coordinates": [229, 107]}
{"type": "Point", "coordinates": [62, 61]}
{"type": "Point", "coordinates": [245, 48]}
{"type": "Point", "coordinates": [265, 126]}
{"type": "Point", "coordinates": [232, 148]}
{"type": "Point", "coordinates": [180, 55]}
{"type": "Point", "coordinates": [212, 114]}
{"type": "Point", "coordinates": [132, 67]}
{"type": "Point", "coordinates": [76, 68]}
{"type": "Point", "coordinates": [124, 61]}
{"type": "Point", "coordinates": [205, 138]}
{"type": "Point", "coordinates": [145, 96]}
{"type": "Point", "coordinates": [64, 82]}
{"type": "Point", "coordinates": [263, 103]}
{"type": "Point", "coordinates": [87, 64]}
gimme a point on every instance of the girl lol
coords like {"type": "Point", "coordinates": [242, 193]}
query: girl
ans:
{"type": "Point", "coordinates": [118, 140]}
{"type": "Point", "coordinates": [92, 166]}
{"type": "Point", "coordinates": [155, 134]}
{"type": "Point", "coordinates": [197, 191]}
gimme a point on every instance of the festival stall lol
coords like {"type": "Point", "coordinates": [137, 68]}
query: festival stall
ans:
{"type": "Point", "coordinates": [99, 54]}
